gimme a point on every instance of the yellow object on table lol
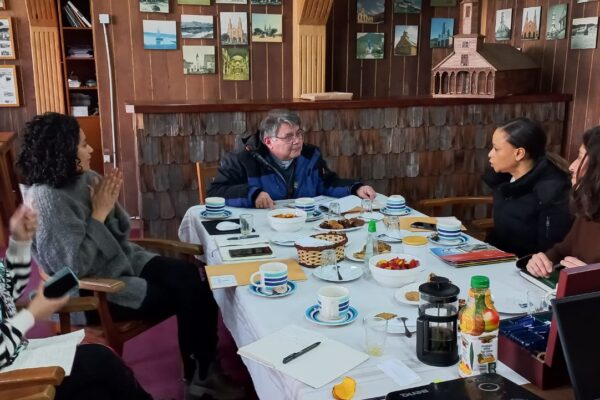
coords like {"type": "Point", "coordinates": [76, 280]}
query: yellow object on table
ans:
{"type": "Point", "coordinates": [242, 271]}
{"type": "Point", "coordinates": [406, 221]}
{"type": "Point", "coordinates": [415, 240]}
{"type": "Point", "coordinates": [344, 390]}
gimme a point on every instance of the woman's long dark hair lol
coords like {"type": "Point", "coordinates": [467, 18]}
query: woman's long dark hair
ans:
{"type": "Point", "coordinates": [586, 193]}
{"type": "Point", "coordinates": [49, 150]}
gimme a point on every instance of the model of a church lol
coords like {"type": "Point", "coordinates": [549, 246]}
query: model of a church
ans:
{"type": "Point", "coordinates": [482, 70]}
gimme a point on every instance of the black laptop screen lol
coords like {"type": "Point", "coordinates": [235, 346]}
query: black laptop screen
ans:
{"type": "Point", "coordinates": [578, 319]}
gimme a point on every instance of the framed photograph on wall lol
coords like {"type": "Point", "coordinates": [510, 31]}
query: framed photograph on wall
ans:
{"type": "Point", "coordinates": [530, 29]}
{"type": "Point", "coordinates": [442, 33]}
{"type": "Point", "coordinates": [198, 60]}
{"type": "Point", "coordinates": [7, 42]}
{"type": "Point", "coordinates": [584, 33]}
{"type": "Point", "coordinates": [234, 28]}
{"type": "Point", "coordinates": [3, 4]}
{"type": "Point", "coordinates": [160, 35]}
{"type": "Point", "coordinates": [236, 64]}
{"type": "Point", "coordinates": [197, 26]}
{"type": "Point", "coordinates": [406, 40]}
{"type": "Point", "coordinates": [369, 45]}
{"type": "Point", "coordinates": [407, 6]}
{"type": "Point", "coordinates": [370, 11]}
{"type": "Point", "coordinates": [503, 24]}
{"type": "Point", "coordinates": [9, 90]}
{"type": "Point", "coordinates": [556, 27]}
{"type": "Point", "coordinates": [156, 6]}
{"type": "Point", "coordinates": [267, 28]}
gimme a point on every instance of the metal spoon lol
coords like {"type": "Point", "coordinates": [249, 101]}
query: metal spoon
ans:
{"type": "Point", "coordinates": [406, 331]}
{"type": "Point", "coordinates": [337, 269]}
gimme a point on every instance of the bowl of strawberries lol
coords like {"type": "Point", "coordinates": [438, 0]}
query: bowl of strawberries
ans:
{"type": "Point", "coordinates": [395, 269]}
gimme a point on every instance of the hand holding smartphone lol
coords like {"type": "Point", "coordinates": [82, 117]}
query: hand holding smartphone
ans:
{"type": "Point", "coordinates": [62, 283]}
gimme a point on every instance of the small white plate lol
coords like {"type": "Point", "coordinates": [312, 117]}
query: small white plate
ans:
{"type": "Point", "coordinates": [509, 305]}
{"type": "Point", "coordinates": [312, 314]}
{"type": "Point", "coordinates": [389, 238]}
{"type": "Point", "coordinates": [377, 216]}
{"type": "Point", "coordinates": [354, 228]}
{"type": "Point", "coordinates": [225, 214]}
{"type": "Point", "coordinates": [315, 216]}
{"type": "Point", "coordinates": [259, 292]}
{"type": "Point", "coordinates": [460, 241]}
{"type": "Point", "coordinates": [284, 239]}
{"type": "Point", "coordinates": [385, 211]}
{"type": "Point", "coordinates": [350, 253]}
{"type": "Point", "coordinates": [411, 287]}
{"type": "Point", "coordinates": [348, 272]}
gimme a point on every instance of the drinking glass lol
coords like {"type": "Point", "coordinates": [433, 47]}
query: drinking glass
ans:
{"type": "Point", "coordinates": [536, 301]}
{"type": "Point", "coordinates": [392, 226]}
{"type": "Point", "coordinates": [375, 335]}
{"type": "Point", "coordinates": [366, 208]}
{"type": "Point", "coordinates": [334, 210]}
{"type": "Point", "coordinates": [328, 258]}
{"type": "Point", "coordinates": [246, 224]}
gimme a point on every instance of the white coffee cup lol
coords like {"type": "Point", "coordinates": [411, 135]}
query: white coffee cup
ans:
{"type": "Point", "coordinates": [395, 204]}
{"type": "Point", "coordinates": [306, 204]}
{"type": "Point", "coordinates": [273, 277]}
{"type": "Point", "coordinates": [333, 302]}
{"type": "Point", "coordinates": [214, 205]}
{"type": "Point", "coordinates": [448, 229]}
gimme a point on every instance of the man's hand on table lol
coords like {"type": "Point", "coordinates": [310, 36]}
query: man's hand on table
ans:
{"type": "Point", "coordinates": [263, 200]}
{"type": "Point", "coordinates": [366, 192]}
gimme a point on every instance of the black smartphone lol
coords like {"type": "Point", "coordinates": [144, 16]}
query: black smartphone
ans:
{"type": "Point", "coordinates": [249, 252]}
{"type": "Point", "coordinates": [61, 283]}
{"type": "Point", "coordinates": [423, 225]}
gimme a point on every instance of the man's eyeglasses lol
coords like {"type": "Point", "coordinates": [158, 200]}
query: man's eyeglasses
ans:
{"type": "Point", "coordinates": [291, 138]}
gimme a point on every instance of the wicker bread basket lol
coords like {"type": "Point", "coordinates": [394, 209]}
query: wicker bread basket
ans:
{"type": "Point", "coordinates": [311, 256]}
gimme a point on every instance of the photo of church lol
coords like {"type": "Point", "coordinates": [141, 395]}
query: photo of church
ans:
{"type": "Point", "coordinates": [503, 24]}
{"type": "Point", "coordinates": [531, 23]}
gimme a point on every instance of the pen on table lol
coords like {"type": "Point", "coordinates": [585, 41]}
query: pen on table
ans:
{"type": "Point", "coordinates": [297, 354]}
{"type": "Point", "coordinates": [243, 237]}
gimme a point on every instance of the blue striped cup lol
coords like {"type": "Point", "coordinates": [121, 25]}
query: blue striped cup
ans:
{"type": "Point", "coordinates": [214, 205]}
{"type": "Point", "coordinates": [305, 204]}
{"type": "Point", "coordinates": [448, 229]}
{"type": "Point", "coordinates": [333, 302]}
{"type": "Point", "coordinates": [395, 204]}
{"type": "Point", "coordinates": [273, 277]}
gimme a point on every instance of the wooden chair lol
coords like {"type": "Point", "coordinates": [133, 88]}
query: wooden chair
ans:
{"type": "Point", "coordinates": [475, 212]}
{"type": "Point", "coordinates": [110, 332]}
{"type": "Point", "coordinates": [205, 174]}
{"type": "Point", "coordinates": [30, 384]}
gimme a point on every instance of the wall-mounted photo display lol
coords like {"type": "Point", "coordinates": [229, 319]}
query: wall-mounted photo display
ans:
{"type": "Point", "coordinates": [7, 42]}
{"type": "Point", "coordinates": [231, 1]}
{"type": "Point", "coordinates": [267, 28]}
{"type": "Point", "coordinates": [236, 64]}
{"type": "Point", "coordinates": [266, 2]}
{"type": "Point", "coordinates": [584, 1]}
{"type": "Point", "coordinates": [160, 35]}
{"type": "Point", "coordinates": [556, 27]}
{"type": "Point", "coordinates": [3, 4]}
{"type": "Point", "coordinates": [530, 30]}
{"type": "Point", "coordinates": [234, 28]}
{"type": "Point", "coordinates": [442, 33]}
{"type": "Point", "coordinates": [369, 45]}
{"type": "Point", "coordinates": [406, 40]}
{"type": "Point", "coordinates": [9, 90]}
{"type": "Point", "coordinates": [157, 6]}
{"type": "Point", "coordinates": [370, 11]}
{"type": "Point", "coordinates": [198, 60]}
{"type": "Point", "coordinates": [407, 6]}
{"type": "Point", "coordinates": [584, 33]}
{"type": "Point", "coordinates": [197, 26]}
{"type": "Point", "coordinates": [443, 3]}
{"type": "Point", "coordinates": [503, 24]}
{"type": "Point", "coordinates": [194, 2]}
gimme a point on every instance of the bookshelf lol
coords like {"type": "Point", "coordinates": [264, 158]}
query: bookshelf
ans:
{"type": "Point", "coordinates": [79, 71]}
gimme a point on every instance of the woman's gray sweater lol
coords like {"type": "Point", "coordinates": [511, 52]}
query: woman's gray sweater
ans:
{"type": "Point", "coordinates": [68, 236]}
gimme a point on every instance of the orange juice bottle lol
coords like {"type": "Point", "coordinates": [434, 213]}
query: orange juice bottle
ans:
{"type": "Point", "coordinates": [479, 322]}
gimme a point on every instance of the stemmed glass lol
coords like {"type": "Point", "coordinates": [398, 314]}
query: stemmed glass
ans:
{"type": "Point", "coordinates": [334, 210]}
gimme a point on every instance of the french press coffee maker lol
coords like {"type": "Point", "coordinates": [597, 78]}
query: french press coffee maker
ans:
{"type": "Point", "coordinates": [437, 322]}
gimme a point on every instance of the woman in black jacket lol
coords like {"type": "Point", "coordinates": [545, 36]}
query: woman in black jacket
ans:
{"type": "Point", "coordinates": [530, 188]}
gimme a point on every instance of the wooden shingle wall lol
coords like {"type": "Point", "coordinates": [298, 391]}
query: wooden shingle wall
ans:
{"type": "Point", "coordinates": [418, 152]}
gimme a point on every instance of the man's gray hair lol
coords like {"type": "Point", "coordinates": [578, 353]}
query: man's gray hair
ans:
{"type": "Point", "coordinates": [274, 119]}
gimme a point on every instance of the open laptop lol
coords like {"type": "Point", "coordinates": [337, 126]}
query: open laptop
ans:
{"type": "Point", "coordinates": [578, 327]}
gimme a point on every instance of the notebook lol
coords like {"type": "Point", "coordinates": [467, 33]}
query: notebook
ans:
{"type": "Point", "coordinates": [471, 255]}
{"type": "Point", "coordinates": [578, 326]}
{"type": "Point", "coordinates": [316, 368]}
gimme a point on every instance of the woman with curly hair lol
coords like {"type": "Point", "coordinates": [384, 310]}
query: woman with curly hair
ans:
{"type": "Point", "coordinates": [530, 187]}
{"type": "Point", "coordinates": [580, 246]}
{"type": "Point", "coordinates": [82, 226]}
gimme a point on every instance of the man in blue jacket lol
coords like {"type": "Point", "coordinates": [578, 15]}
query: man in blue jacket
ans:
{"type": "Point", "coordinates": [279, 166]}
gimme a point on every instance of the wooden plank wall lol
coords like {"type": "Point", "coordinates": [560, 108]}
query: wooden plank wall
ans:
{"type": "Point", "coordinates": [14, 118]}
{"type": "Point", "coordinates": [562, 70]}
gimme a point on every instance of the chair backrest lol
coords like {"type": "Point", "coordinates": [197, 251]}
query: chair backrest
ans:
{"type": "Point", "coordinates": [205, 174]}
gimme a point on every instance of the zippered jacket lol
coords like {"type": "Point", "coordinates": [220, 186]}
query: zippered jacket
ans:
{"type": "Point", "coordinates": [532, 213]}
{"type": "Point", "coordinates": [242, 176]}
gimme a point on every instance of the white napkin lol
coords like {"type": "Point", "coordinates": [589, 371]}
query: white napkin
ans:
{"type": "Point", "coordinates": [312, 242]}
{"type": "Point", "coordinates": [283, 237]}
{"type": "Point", "coordinates": [227, 226]}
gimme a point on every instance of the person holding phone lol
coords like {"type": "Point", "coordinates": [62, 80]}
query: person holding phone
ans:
{"type": "Point", "coordinates": [97, 372]}
{"type": "Point", "coordinates": [580, 246]}
{"type": "Point", "coordinates": [82, 226]}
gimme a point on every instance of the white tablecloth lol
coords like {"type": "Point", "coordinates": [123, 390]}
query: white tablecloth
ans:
{"type": "Point", "coordinates": [250, 317]}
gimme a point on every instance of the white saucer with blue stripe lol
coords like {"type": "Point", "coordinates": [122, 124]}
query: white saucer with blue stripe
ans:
{"type": "Point", "coordinates": [314, 216]}
{"type": "Point", "coordinates": [312, 314]}
{"type": "Point", "coordinates": [291, 288]}
{"type": "Point", "coordinates": [385, 211]}
{"type": "Point", "coordinates": [223, 215]}
{"type": "Point", "coordinates": [434, 238]}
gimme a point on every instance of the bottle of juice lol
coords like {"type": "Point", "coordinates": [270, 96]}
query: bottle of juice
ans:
{"type": "Point", "coordinates": [479, 322]}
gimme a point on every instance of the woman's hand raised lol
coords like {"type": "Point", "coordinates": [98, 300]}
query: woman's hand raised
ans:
{"type": "Point", "coordinates": [104, 194]}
